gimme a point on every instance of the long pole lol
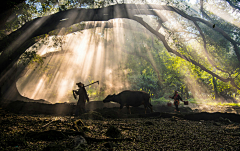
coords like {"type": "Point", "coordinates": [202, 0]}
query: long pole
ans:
{"type": "Point", "coordinates": [89, 84]}
{"type": "Point", "coordinates": [92, 83]}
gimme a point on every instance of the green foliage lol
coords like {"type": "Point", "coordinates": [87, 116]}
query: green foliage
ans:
{"type": "Point", "coordinates": [58, 41]}
{"type": "Point", "coordinates": [145, 83]}
{"type": "Point", "coordinates": [160, 101]}
{"type": "Point", "coordinates": [30, 57]}
{"type": "Point", "coordinates": [192, 100]}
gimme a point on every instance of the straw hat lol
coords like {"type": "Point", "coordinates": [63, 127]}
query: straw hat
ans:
{"type": "Point", "coordinates": [79, 84]}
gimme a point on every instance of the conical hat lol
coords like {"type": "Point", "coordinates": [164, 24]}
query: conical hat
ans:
{"type": "Point", "coordinates": [79, 83]}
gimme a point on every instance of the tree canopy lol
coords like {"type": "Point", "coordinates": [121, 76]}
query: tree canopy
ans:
{"type": "Point", "coordinates": [201, 39]}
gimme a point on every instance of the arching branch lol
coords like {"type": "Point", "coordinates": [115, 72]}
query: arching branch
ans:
{"type": "Point", "coordinates": [233, 5]}
{"type": "Point", "coordinates": [13, 45]}
{"type": "Point", "coordinates": [162, 38]}
{"type": "Point", "coordinates": [205, 48]}
{"type": "Point", "coordinates": [219, 30]}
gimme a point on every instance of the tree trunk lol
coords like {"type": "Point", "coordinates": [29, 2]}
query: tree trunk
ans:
{"type": "Point", "coordinates": [9, 88]}
{"type": "Point", "coordinates": [182, 92]}
{"type": "Point", "coordinates": [216, 95]}
{"type": "Point", "coordinates": [186, 91]}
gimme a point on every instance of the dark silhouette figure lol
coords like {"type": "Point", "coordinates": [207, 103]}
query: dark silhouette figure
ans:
{"type": "Point", "coordinates": [82, 99]}
{"type": "Point", "coordinates": [130, 98]}
{"type": "Point", "coordinates": [176, 98]}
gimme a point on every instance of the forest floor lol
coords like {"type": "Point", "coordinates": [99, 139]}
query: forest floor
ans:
{"type": "Point", "coordinates": [95, 131]}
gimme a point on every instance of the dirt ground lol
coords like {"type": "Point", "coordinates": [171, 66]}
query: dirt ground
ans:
{"type": "Point", "coordinates": [104, 129]}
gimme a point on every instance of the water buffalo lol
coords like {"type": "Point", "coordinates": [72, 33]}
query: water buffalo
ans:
{"type": "Point", "coordinates": [130, 98]}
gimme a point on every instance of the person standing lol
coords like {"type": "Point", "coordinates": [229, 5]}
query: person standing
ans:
{"type": "Point", "coordinates": [80, 109]}
{"type": "Point", "coordinates": [176, 98]}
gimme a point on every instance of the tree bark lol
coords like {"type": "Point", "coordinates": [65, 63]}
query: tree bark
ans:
{"type": "Point", "coordinates": [216, 95]}
{"type": "Point", "coordinates": [9, 88]}
{"type": "Point", "coordinates": [186, 91]}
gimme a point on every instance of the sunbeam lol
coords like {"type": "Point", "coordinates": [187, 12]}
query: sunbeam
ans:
{"type": "Point", "coordinates": [122, 49]}
{"type": "Point", "coordinates": [85, 56]}
{"type": "Point", "coordinates": [120, 75]}
{"type": "Point", "coordinates": [226, 13]}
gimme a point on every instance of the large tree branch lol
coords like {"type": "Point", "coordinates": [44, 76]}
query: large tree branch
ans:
{"type": "Point", "coordinates": [205, 47]}
{"type": "Point", "coordinates": [233, 5]}
{"type": "Point", "coordinates": [202, 11]}
{"type": "Point", "coordinates": [10, 45]}
{"type": "Point", "coordinates": [162, 38]}
{"type": "Point", "coordinates": [219, 30]}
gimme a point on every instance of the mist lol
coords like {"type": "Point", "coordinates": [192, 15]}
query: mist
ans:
{"type": "Point", "coordinates": [86, 56]}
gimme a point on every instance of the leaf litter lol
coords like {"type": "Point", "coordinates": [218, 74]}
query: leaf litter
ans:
{"type": "Point", "coordinates": [44, 132]}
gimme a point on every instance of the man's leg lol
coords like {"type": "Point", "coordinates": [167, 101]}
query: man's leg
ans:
{"type": "Point", "coordinates": [175, 103]}
{"type": "Point", "coordinates": [83, 110]}
{"type": "Point", "coordinates": [177, 108]}
{"type": "Point", "coordinates": [77, 111]}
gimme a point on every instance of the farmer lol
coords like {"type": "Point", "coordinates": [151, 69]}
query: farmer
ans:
{"type": "Point", "coordinates": [176, 98]}
{"type": "Point", "coordinates": [82, 98]}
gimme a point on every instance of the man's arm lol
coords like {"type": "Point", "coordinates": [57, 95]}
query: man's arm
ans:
{"type": "Point", "coordinates": [180, 98]}
{"type": "Point", "coordinates": [87, 98]}
{"type": "Point", "coordinates": [76, 92]}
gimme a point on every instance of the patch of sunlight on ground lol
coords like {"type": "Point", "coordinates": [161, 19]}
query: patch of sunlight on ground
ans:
{"type": "Point", "coordinates": [223, 104]}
